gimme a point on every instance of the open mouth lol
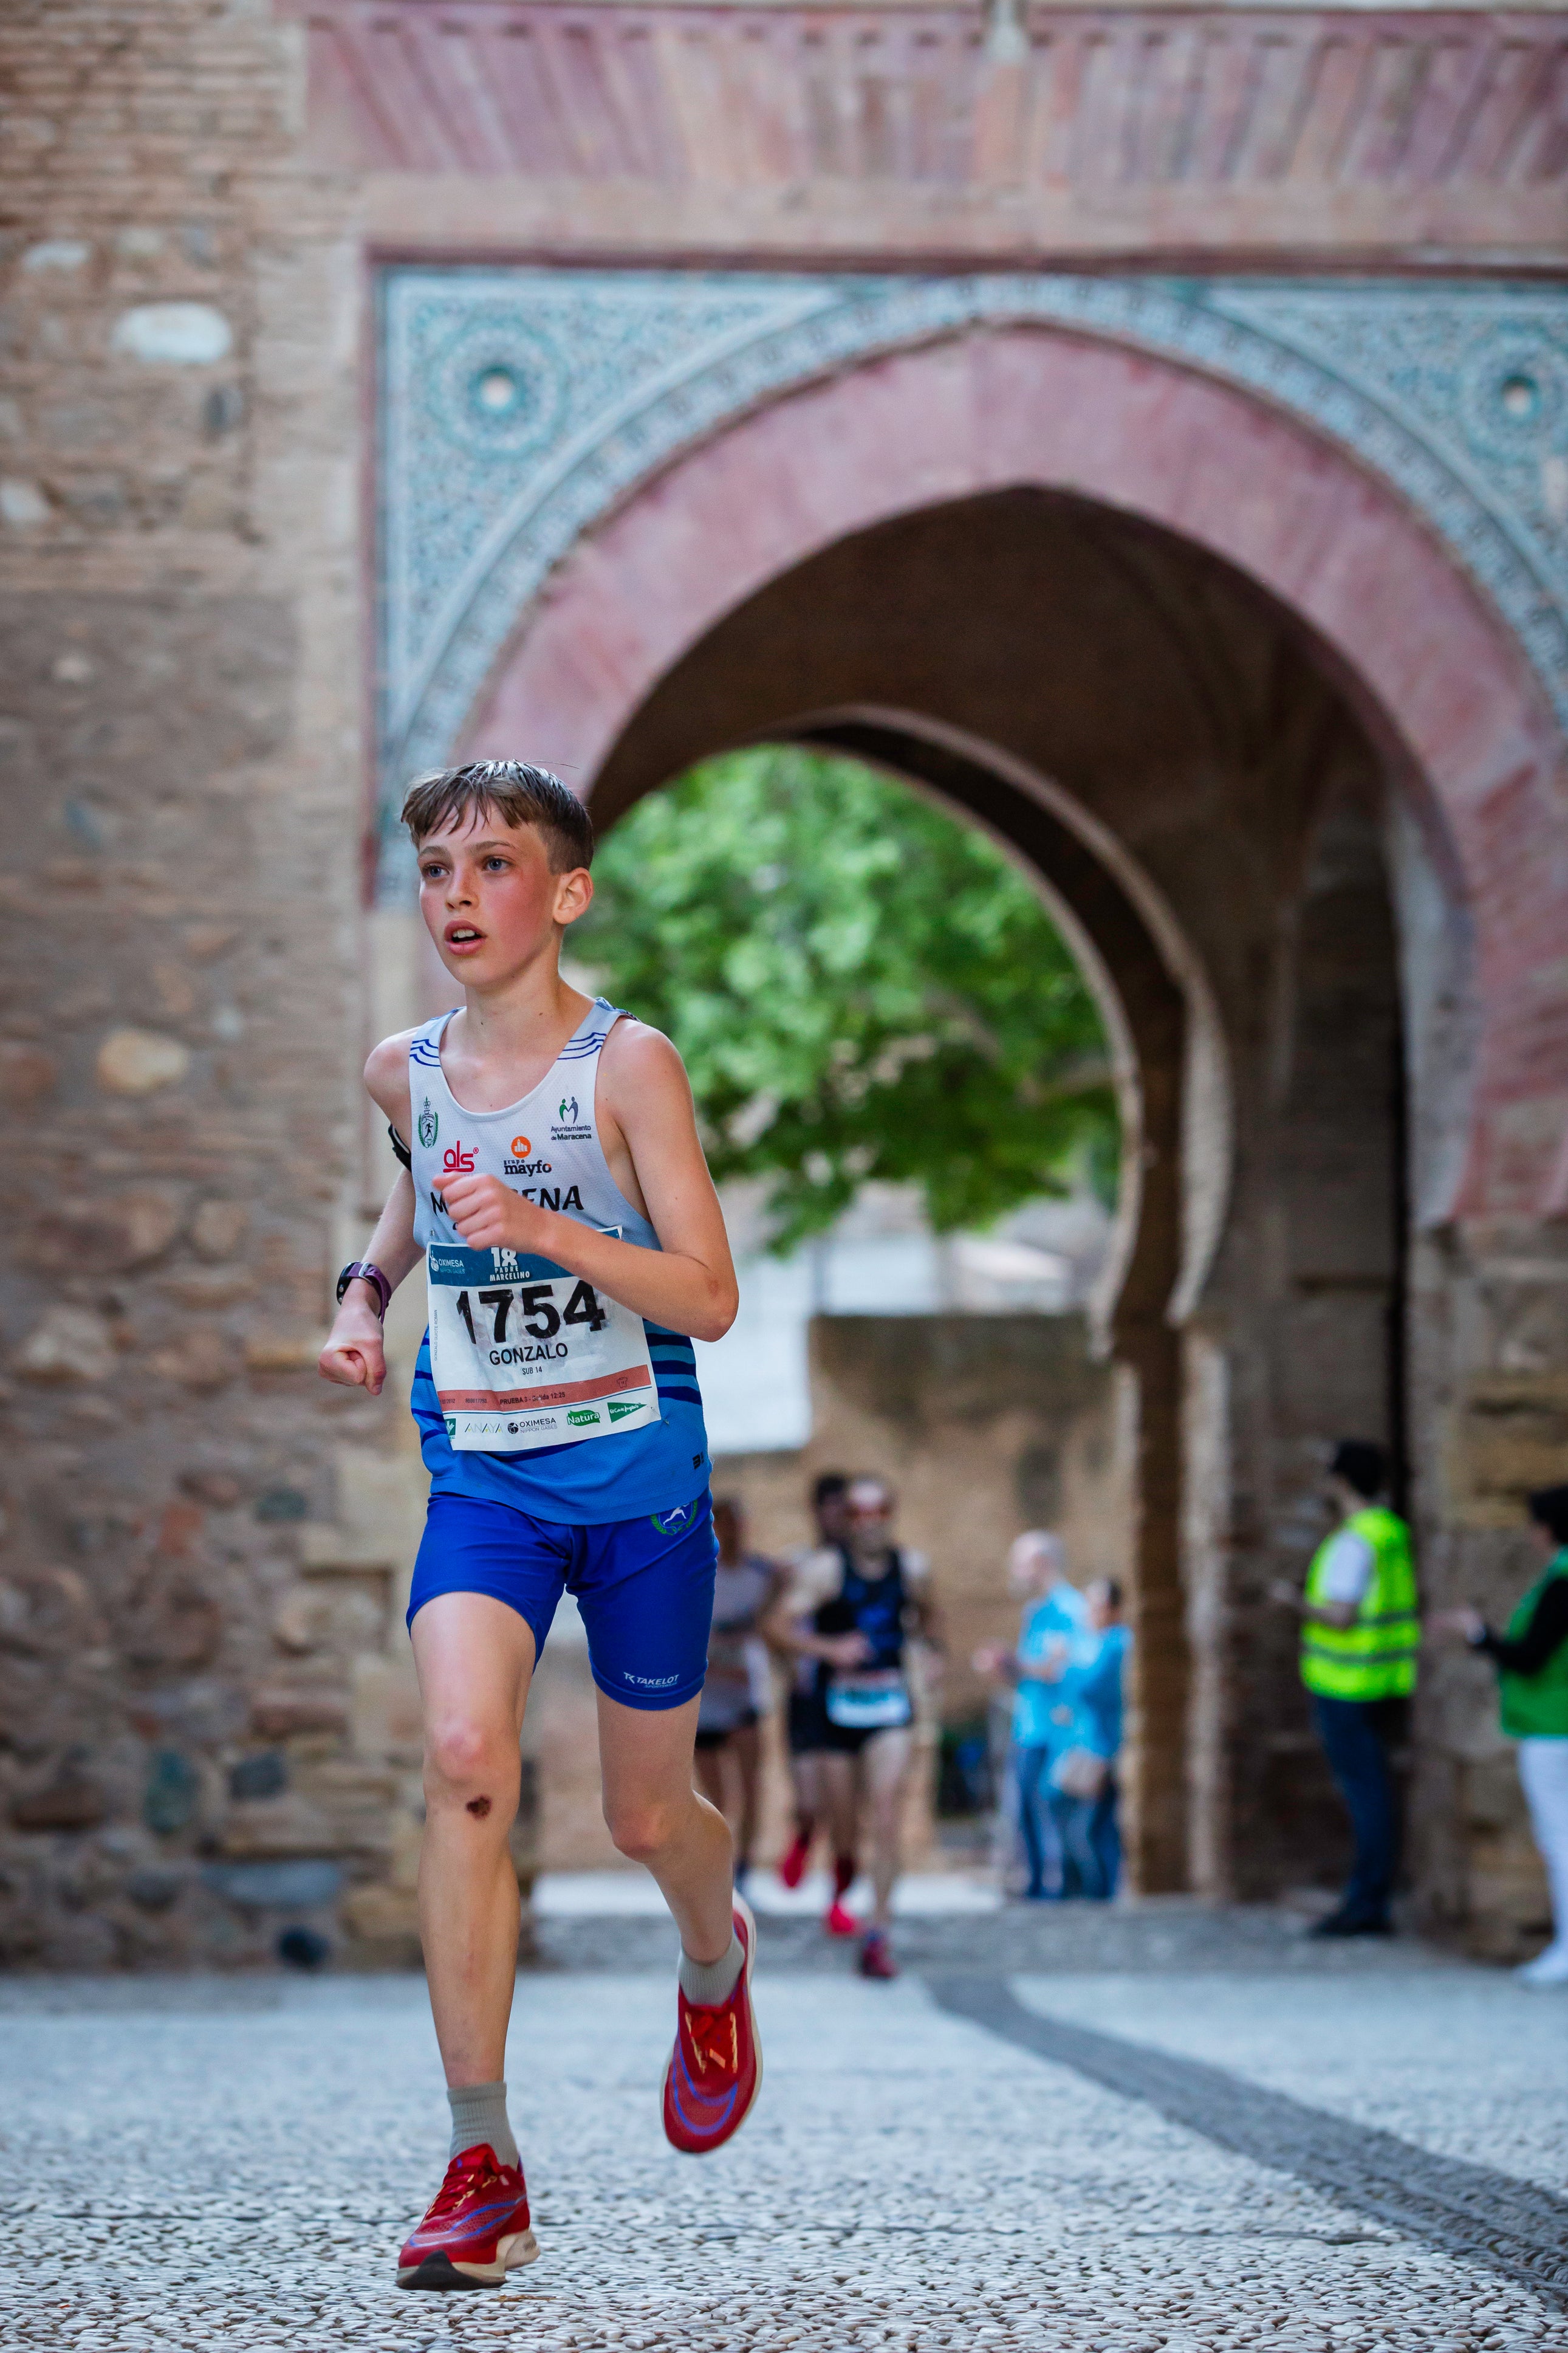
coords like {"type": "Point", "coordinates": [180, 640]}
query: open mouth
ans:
{"type": "Point", "coordinates": [463, 935]}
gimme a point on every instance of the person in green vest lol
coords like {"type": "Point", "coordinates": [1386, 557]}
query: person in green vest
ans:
{"type": "Point", "coordinates": [1532, 1659]}
{"type": "Point", "coordinates": [1359, 1634]}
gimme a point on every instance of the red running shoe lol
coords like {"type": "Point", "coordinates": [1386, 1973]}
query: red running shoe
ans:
{"type": "Point", "coordinates": [792, 1870]}
{"type": "Point", "coordinates": [839, 1922]}
{"type": "Point", "coordinates": [876, 1957]}
{"type": "Point", "coordinates": [715, 2069]}
{"type": "Point", "coordinates": [476, 2230]}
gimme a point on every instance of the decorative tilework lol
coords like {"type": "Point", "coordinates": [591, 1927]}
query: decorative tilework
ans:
{"type": "Point", "coordinates": [519, 404]}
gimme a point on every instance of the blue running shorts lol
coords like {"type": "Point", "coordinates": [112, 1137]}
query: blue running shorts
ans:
{"type": "Point", "coordinates": [644, 1587]}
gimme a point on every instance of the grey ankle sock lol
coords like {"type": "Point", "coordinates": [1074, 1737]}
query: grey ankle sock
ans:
{"type": "Point", "coordinates": [712, 1982]}
{"type": "Point", "coordinates": [478, 2114]}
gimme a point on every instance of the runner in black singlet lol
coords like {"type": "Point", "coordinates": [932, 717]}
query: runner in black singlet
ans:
{"type": "Point", "coordinates": [852, 1609]}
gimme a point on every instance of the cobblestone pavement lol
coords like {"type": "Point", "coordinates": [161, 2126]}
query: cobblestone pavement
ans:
{"type": "Point", "coordinates": [234, 2161]}
{"type": "Point", "coordinates": [1162, 1935]}
{"type": "Point", "coordinates": [1464, 2063]}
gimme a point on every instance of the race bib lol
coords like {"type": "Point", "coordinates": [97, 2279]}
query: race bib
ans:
{"type": "Point", "coordinates": [868, 1705]}
{"type": "Point", "coordinates": [524, 1355]}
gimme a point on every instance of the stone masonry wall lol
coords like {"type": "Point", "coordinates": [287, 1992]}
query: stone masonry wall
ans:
{"type": "Point", "coordinates": [1489, 1358]}
{"type": "Point", "coordinates": [202, 1737]}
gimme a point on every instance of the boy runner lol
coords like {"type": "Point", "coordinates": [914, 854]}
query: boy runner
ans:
{"type": "Point", "coordinates": [555, 1184]}
{"type": "Point", "coordinates": [850, 1608]}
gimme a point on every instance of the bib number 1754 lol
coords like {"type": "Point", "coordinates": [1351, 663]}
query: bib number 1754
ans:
{"type": "Point", "coordinates": [526, 1353]}
{"type": "Point", "coordinates": [536, 1312]}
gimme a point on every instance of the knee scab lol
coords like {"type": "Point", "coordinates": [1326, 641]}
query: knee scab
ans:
{"type": "Point", "coordinates": [478, 1808]}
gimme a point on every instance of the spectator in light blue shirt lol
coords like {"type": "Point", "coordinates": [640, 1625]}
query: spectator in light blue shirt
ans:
{"type": "Point", "coordinates": [1054, 1613]}
{"type": "Point", "coordinates": [1087, 1683]}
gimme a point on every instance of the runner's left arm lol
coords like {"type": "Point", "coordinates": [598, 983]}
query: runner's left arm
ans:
{"type": "Point", "coordinates": [649, 1130]}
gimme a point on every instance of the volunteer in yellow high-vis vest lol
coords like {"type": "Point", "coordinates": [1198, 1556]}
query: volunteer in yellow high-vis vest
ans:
{"type": "Point", "coordinates": [1532, 1661]}
{"type": "Point", "coordinates": [1360, 1635]}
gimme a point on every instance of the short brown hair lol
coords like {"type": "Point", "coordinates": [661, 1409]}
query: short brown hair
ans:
{"type": "Point", "coordinates": [512, 790]}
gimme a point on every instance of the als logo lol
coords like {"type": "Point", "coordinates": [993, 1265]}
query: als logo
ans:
{"type": "Point", "coordinates": [566, 1110]}
{"type": "Point", "coordinates": [458, 1160]}
{"type": "Point", "coordinates": [429, 1125]}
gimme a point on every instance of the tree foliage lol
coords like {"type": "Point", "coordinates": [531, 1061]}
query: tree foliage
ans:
{"type": "Point", "coordinates": [861, 987]}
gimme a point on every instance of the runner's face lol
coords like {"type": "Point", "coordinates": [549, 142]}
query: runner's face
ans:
{"type": "Point", "coordinates": [490, 901]}
{"type": "Point", "coordinates": [870, 1528]}
{"type": "Point", "coordinates": [1030, 1572]}
{"type": "Point", "coordinates": [1545, 1543]}
{"type": "Point", "coordinates": [1342, 1497]}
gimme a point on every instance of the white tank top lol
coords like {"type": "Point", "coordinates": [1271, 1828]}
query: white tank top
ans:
{"type": "Point", "coordinates": [546, 1147]}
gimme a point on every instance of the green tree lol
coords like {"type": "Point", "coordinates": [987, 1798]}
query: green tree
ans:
{"type": "Point", "coordinates": [861, 988]}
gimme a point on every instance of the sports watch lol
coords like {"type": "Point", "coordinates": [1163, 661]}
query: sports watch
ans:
{"type": "Point", "coordinates": [366, 1271]}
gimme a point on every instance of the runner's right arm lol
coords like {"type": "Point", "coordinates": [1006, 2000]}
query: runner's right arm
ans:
{"type": "Point", "coordinates": [787, 1625]}
{"type": "Point", "coordinates": [355, 1353]}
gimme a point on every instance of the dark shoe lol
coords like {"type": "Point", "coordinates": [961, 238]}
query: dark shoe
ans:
{"type": "Point", "coordinates": [876, 1956]}
{"type": "Point", "coordinates": [1352, 1924]}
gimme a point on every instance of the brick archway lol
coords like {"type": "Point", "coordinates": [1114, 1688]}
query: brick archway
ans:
{"type": "Point", "coordinates": [1434, 676]}
{"type": "Point", "coordinates": [650, 645]}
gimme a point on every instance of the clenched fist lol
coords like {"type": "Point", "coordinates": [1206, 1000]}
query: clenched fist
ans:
{"type": "Point", "coordinates": [490, 1216]}
{"type": "Point", "coordinates": [355, 1353]}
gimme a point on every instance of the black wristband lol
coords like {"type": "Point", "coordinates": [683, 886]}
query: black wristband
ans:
{"type": "Point", "coordinates": [399, 1146]}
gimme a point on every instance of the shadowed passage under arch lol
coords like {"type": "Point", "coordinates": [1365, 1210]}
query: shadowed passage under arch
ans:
{"type": "Point", "coordinates": [1152, 738]}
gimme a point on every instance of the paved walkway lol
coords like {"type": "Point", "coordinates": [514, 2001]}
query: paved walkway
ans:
{"type": "Point", "coordinates": [233, 2162]}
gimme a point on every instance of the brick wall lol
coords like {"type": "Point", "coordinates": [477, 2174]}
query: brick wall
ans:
{"type": "Point", "coordinates": [202, 1735]}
